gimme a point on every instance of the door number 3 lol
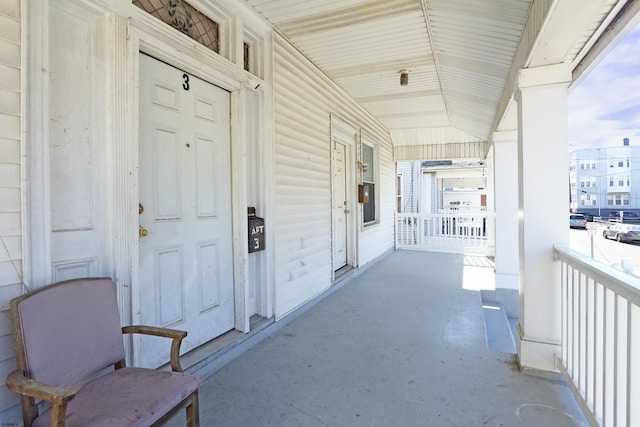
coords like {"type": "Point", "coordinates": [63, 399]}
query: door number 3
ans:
{"type": "Point", "coordinates": [185, 81]}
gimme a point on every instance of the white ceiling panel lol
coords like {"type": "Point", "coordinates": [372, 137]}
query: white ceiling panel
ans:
{"type": "Point", "coordinates": [461, 54]}
{"type": "Point", "coordinates": [286, 10]}
{"type": "Point", "coordinates": [387, 39]}
{"type": "Point", "coordinates": [425, 120]}
{"type": "Point", "coordinates": [407, 105]}
{"type": "Point", "coordinates": [444, 135]}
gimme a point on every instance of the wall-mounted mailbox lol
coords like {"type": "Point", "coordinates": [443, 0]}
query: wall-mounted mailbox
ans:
{"type": "Point", "coordinates": [256, 231]}
{"type": "Point", "coordinates": [363, 193]}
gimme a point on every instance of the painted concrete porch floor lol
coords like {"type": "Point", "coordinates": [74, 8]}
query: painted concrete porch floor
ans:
{"type": "Point", "coordinates": [402, 344]}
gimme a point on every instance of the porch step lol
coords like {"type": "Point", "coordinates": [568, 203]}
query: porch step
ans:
{"type": "Point", "coordinates": [497, 324]}
{"type": "Point", "coordinates": [498, 330]}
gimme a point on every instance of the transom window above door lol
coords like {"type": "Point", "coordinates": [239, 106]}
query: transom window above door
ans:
{"type": "Point", "coordinates": [185, 18]}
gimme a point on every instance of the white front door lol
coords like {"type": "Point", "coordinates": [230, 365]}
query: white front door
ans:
{"type": "Point", "coordinates": [186, 278]}
{"type": "Point", "coordinates": [340, 208]}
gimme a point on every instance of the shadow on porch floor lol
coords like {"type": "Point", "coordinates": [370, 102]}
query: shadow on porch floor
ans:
{"type": "Point", "coordinates": [402, 344]}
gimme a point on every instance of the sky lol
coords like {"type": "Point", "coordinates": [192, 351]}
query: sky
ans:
{"type": "Point", "coordinates": [605, 107]}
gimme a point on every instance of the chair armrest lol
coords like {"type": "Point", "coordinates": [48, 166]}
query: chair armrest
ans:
{"type": "Point", "coordinates": [19, 383]}
{"type": "Point", "coordinates": [175, 335]}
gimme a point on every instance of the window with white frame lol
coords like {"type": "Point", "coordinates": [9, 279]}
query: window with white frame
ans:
{"type": "Point", "coordinates": [370, 177]}
{"type": "Point", "coordinates": [587, 199]}
{"type": "Point", "coordinates": [252, 54]}
{"type": "Point", "coordinates": [620, 199]}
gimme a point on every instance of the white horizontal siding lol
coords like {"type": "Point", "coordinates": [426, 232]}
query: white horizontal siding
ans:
{"type": "Point", "coordinates": [411, 172]}
{"type": "Point", "coordinates": [468, 150]}
{"type": "Point", "coordinates": [304, 100]}
{"type": "Point", "coordinates": [10, 184]}
{"type": "Point", "coordinates": [443, 135]}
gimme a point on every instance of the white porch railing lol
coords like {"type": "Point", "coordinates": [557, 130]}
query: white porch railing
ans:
{"type": "Point", "coordinates": [601, 338]}
{"type": "Point", "coordinates": [464, 232]}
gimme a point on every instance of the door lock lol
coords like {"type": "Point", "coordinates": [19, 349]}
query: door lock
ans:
{"type": "Point", "coordinates": [142, 232]}
{"type": "Point", "coordinates": [347, 211]}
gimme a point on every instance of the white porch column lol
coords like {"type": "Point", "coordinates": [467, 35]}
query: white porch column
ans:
{"type": "Point", "coordinates": [505, 152]}
{"type": "Point", "coordinates": [491, 218]}
{"type": "Point", "coordinates": [543, 202]}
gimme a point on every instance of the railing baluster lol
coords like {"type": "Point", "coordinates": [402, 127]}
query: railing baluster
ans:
{"type": "Point", "coordinates": [615, 361]}
{"type": "Point", "coordinates": [590, 340]}
{"type": "Point", "coordinates": [576, 331]}
{"type": "Point", "coordinates": [579, 327]}
{"type": "Point", "coordinates": [571, 320]}
{"type": "Point", "coordinates": [597, 348]}
{"type": "Point", "coordinates": [628, 373]}
{"type": "Point", "coordinates": [634, 373]}
{"type": "Point", "coordinates": [605, 364]}
{"type": "Point", "coordinates": [564, 305]}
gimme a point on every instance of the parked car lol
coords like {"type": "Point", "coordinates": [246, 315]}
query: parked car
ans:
{"type": "Point", "coordinates": [588, 216]}
{"type": "Point", "coordinates": [577, 221]}
{"type": "Point", "coordinates": [622, 232]}
{"type": "Point", "coordinates": [625, 215]}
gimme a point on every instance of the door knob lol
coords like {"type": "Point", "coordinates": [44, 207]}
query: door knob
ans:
{"type": "Point", "coordinates": [142, 232]}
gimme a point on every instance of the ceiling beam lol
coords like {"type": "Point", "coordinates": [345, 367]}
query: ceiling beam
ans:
{"type": "Point", "coordinates": [535, 22]}
{"type": "Point", "coordinates": [427, 21]}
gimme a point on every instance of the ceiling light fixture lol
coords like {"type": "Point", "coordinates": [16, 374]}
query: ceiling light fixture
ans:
{"type": "Point", "coordinates": [404, 78]}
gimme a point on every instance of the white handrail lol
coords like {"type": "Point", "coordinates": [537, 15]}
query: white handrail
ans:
{"type": "Point", "coordinates": [600, 338]}
{"type": "Point", "coordinates": [454, 231]}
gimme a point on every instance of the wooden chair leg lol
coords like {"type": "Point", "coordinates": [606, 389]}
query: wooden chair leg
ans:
{"type": "Point", "coordinates": [193, 411]}
{"type": "Point", "coordinates": [58, 414]}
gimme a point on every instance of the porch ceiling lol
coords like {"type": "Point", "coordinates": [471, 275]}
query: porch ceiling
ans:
{"type": "Point", "coordinates": [462, 55]}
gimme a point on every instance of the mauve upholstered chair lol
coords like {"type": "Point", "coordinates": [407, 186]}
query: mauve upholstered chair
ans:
{"type": "Point", "coordinates": [70, 353]}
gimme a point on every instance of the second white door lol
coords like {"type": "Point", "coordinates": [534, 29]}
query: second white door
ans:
{"type": "Point", "coordinates": [340, 206]}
